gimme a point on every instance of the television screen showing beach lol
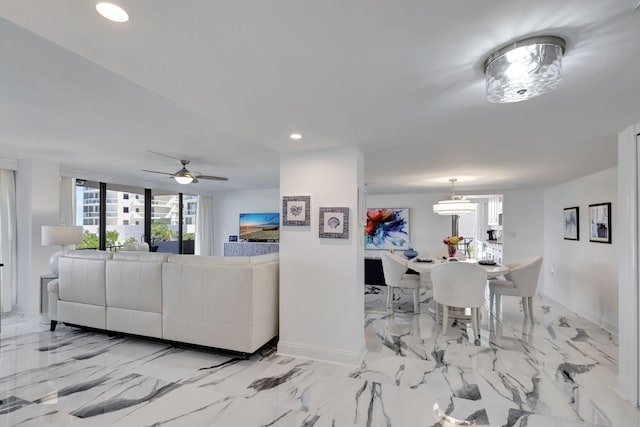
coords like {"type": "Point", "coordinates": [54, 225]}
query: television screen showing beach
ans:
{"type": "Point", "coordinates": [260, 226]}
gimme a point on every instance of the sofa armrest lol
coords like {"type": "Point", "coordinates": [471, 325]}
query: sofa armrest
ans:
{"type": "Point", "coordinates": [53, 287]}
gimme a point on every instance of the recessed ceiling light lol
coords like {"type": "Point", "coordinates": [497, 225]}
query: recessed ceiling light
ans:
{"type": "Point", "coordinates": [112, 12]}
{"type": "Point", "coordinates": [295, 136]}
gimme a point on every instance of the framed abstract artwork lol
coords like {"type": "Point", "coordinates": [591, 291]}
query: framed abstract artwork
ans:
{"type": "Point", "coordinates": [572, 223]}
{"type": "Point", "coordinates": [600, 223]}
{"type": "Point", "coordinates": [334, 223]}
{"type": "Point", "coordinates": [387, 228]}
{"type": "Point", "coordinates": [296, 210]}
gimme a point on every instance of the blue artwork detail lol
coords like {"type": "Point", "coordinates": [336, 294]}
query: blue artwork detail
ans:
{"type": "Point", "coordinates": [386, 229]}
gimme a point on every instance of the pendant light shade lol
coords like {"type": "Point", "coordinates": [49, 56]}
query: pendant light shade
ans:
{"type": "Point", "coordinates": [524, 69]}
{"type": "Point", "coordinates": [457, 205]}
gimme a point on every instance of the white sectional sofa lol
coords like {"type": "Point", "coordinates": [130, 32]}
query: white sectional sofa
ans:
{"type": "Point", "coordinates": [222, 302]}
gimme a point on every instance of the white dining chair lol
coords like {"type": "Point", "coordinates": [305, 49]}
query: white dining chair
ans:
{"type": "Point", "coordinates": [520, 281]}
{"type": "Point", "coordinates": [394, 268]}
{"type": "Point", "coordinates": [459, 284]}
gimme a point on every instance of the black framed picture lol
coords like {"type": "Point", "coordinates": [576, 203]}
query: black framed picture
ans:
{"type": "Point", "coordinates": [572, 223]}
{"type": "Point", "coordinates": [600, 223]}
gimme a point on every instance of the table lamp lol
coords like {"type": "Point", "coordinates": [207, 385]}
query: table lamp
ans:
{"type": "Point", "coordinates": [60, 235]}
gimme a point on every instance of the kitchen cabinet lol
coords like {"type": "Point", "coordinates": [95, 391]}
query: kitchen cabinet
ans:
{"type": "Point", "coordinates": [494, 210]}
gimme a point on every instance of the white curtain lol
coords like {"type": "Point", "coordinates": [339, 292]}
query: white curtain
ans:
{"type": "Point", "coordinates": [8, 224]}
{"type": "Point", "coordinates": [67, 201]}
{"type": "Point", "coordinates": [204, 226]}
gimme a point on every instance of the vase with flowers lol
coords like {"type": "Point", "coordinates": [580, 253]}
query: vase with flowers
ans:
{"type": "Point", "coordinates": [452, 244]}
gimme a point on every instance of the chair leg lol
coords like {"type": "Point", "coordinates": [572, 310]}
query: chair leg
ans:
{"type": "Point", "coordinates": [475, 323]}
{"type": "Point", "coordinates": [389, 296]}
{"type": "Point", "coordinates": [416, 300]}
{"type": "Point", "coordinates": [445, 318]}
{"type": "Point", "coordinates": [525, 306]}
{"type": "Point", "coordinates": [492, 297]}
{"type": "Point", "coordinates": [498, 304]}
{"type": "Point", "coordinates": [530, 304]}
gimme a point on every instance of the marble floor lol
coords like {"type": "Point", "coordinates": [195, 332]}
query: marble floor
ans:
{"type": "Point", "coordinates": [558, 371]}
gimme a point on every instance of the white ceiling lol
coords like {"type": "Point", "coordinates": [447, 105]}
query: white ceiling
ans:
{"type": "Point", "coordinates": [223, 83]}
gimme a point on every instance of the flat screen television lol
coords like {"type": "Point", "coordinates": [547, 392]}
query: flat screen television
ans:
{"type": "Point", "coordinates": [260, 227]}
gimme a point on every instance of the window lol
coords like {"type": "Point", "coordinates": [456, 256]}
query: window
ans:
{"type": "Point", "coordinates": [126, 224]}
{"type": "Point", "coordinates": [165, 220]}
{"type": "Point", "coordinates": [88, 215]}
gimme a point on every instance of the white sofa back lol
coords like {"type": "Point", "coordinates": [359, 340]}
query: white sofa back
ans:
{"type": "Point", "coordinates": [224, 302]}
{"type": "Point", "coordinates": [82, 288]}
{"type": "Point", "coordinates": [134, 293]}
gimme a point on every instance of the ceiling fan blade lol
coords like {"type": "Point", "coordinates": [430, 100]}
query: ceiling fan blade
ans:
{"type": "Point", "coordinates": [213, 178]}
{"type": "Point", "coordinates": [164, 173]}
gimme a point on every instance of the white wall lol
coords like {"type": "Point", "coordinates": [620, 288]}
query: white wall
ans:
{"type": "Point", "coordinates": [582, 275]}
{"type": "Point", "coordinates": [37, 204]}
{"type": "Point", "coordinates": [523, 228]}
{"type": "Point", "coordinates": [628, 261]}
{"type": "Point", "coordinates": [322, 280]}
{"type": "Point", "coordinates": [229, 205]}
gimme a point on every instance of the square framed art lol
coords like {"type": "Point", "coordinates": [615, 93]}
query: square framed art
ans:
{"type": "Point", "coordinates": [572, 223]}
{"type": "Point", "coordinates": [296, 210]}
{"type": "Point", "coordinates": [334, 223]}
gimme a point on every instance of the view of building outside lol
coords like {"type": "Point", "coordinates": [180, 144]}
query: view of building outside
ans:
{"type": "Point", "coordinates": [125, 218]}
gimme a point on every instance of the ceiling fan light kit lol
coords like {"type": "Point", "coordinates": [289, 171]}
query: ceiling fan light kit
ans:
{"type": "Point", "coordinates": [524, 69]}
{"type": "Point", "coordinates": [184, 176]}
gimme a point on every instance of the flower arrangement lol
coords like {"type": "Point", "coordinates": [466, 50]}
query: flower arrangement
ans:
{"type": "Point", "coordinates": [452, 242]}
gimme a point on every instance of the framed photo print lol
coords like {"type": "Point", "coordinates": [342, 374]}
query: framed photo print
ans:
{"type": "Point", "coordinates": [334, 223]}
{"type": "Point", "coordinates": [600, 223]}
{"type": "Point", "coordinates": [572, 223]}
{"type": "Point", "coordinates": [296, 210]}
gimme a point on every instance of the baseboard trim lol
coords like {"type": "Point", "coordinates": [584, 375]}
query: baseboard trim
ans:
{"type": "Point", "coordinates": [322, 354]}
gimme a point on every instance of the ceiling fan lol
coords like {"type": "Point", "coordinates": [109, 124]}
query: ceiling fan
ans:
{"type": "Point", "coordinates": [184, 176]}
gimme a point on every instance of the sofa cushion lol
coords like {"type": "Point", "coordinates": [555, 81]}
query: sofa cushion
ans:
{"type": "Point", "coordinates": [135, 284]}
{"type": "Point", "coordinates": [224, 260]}
{"type": "Point", "coordinates": [82, 279]}
{"type": "Point", "coordinates": [140, 256]}
{"type": "Point", "coordinates": [136, 247]}
{"type": "Point", "coordinates": [89, 254]}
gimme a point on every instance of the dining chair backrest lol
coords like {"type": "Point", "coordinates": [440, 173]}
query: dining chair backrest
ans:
{"type": "Point", "coordinates": [393, 267]}
{"type": "Point", "coordinates": [459, 284]}
{"type": "Point", "coordinates": [524, 274]}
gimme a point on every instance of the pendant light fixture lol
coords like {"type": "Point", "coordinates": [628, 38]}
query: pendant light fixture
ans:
{"type": "Point", "coordinates": [524, 69]}
{"type": "Point", "coordinates": [457, 205]}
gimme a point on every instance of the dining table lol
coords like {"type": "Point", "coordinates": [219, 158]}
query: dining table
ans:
{"type": "Point", "coordinates": [424, 268]}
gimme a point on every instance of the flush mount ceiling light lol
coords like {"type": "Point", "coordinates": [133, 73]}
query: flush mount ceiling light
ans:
{"type": "Point", "coordinates": [295, 136]}
{"type": "Point", "coordinates": [524, 69]}
{"type": "Point", "coordinates": [457, 205]}
{"type": "Point", "coordinates": [112, 12]}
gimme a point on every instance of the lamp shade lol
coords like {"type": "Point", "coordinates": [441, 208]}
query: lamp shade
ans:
{"type": "Point", "coordinates": [184, 179]}
{"type": "Point", "coordinates": [454, 207]}
{"type": "Point", "coordinates": [61, 235]}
